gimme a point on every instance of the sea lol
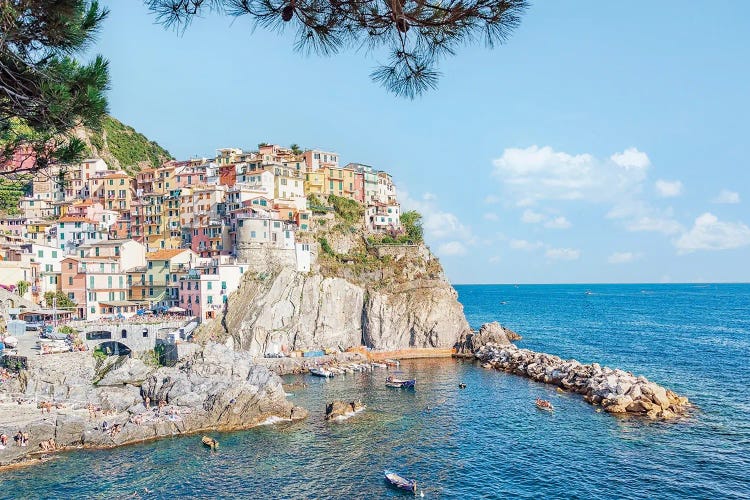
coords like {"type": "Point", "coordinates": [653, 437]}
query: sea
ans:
{"type": "Point", "coordinates": [487, 440]}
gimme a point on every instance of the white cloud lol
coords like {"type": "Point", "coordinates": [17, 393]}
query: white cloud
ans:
{"type": "Point", "coordinates": [559, 222]}
{"type": "Point", "coordinates": [491, 216]}
{"type": "Point", "coordinates": [531, 217]}
{"type": "Point", "coordinates": [727, 196]}
{"type": "Point", "coordinates": [668, 189]}
{"type": "Point", "coordinates": [536, 173]}
{"type": "Point", "coordinates": [492, 199]}
{"type": "Point", "coordinates": [562, 253]}
{"type": "Point", "coordinates": [623, 257]}
{"type": "Point", "coordinates": [438, 224]}
{"type": "Point", "coordinates": [428, 196]}
{"type": "Point", "coordinates": [524, 245]}
{"type": "Point", "coordinates": [451, 248]}
{"type": "Point", "coordinates": [708, 233]}
{"type": "Point", "coordinates": [631, 158]}
{"type": "Point", "coordinates": [656, 224]}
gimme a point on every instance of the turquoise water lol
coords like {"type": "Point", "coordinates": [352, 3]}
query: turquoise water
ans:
{"type": "Point", "coordinates": [488, 440]}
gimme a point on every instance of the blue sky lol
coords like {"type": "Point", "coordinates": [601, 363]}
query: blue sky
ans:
{"type": "Point", "coordinates": [606, 142]}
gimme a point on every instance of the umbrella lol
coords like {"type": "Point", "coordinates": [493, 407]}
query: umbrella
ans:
{"type": "Point", "coordinates": [176, 309]}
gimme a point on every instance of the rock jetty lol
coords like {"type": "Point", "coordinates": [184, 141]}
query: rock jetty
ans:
{"type": "Point", "coordinates": [615, 390]}
{"type": "Point", "coordinates": [89, 403]}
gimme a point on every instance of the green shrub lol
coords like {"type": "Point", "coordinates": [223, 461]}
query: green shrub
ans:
{"type": "Point", "coordinates": [349, 210]}
{"type": "Point", "coordinates": [326, 247]}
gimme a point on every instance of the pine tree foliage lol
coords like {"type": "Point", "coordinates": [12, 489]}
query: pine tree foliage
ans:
{"type": "Point", "coordinates": [415, 33]}
{"type": "Point", "coordinates": [45, 92]}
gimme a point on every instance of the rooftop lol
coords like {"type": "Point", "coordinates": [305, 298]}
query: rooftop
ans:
{"type": "Point", "coordinates": [165, 254]}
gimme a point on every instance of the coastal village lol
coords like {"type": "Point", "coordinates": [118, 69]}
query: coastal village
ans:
{"type": "Point", "coordinates": [92, 244]}
{"type": "Point", "coordinates": [115, 274]}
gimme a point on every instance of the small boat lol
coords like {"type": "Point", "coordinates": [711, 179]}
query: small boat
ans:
{"type": "Point", "coordinates": [400, 383]}
{"type": "Point", "coordinates": [462, 386]}
{"type": "Point", "coordinates": [588, 292]}
{"type": "Point", "coordinates": [320, 372]}
{"type": "Point", "coordinates": [391, 362]}
{"type": "Point", "coordinates": [210, 442]}
{"type": "Point", "coordinates": [543, 404]}
{"type": "Point", "coordinates": [379, 365]}
{"type": "Point", "coordinates": [400, 482]}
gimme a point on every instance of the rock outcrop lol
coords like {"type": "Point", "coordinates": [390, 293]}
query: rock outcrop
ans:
{"type": "Point", "coordinates": [102, 404]}
{"type": "Point", "coordinates": [310, 311]}
{"type": "Point", "coordinates": [494, 333]}
{"type": "Point", "coordinates": [338, 410]}
{"type": "Point", "coordinates": [615, 390]}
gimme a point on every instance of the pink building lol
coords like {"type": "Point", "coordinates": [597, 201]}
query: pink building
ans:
{"type": "Point", "coordinates": [88, 209]}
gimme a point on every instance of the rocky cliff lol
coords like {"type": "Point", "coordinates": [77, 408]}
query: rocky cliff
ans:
{"type": "Point", "coordinates": [312, 311]}
{"type": "Point", "coordinates": [362, 290]}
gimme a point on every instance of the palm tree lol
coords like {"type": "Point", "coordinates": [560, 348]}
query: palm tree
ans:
{"type": "Point", "coordinates": [296, 149]}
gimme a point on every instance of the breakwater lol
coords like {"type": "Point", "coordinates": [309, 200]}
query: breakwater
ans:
{"type": "Point", "coordinates": [615, 390]}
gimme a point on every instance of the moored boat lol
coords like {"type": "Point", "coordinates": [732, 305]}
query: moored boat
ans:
{"type": "Point", "coordinates": [543, 404]}
{"type": "Point", "coordinates": [210, 442]}
{"type": "Point", "coordinates": [401, 482]}
{"type": "Point", "coordinates": [320, 372]}
{"type": "Point", "coordinates": [400, 383]}
{"type": "Point", "coordinates": [391, 362]}
{"type": "Point", "coordinates": [375, 364]}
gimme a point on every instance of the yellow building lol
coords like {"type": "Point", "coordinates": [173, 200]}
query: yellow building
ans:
{"type": "Point", "coordinates": [315, 183]}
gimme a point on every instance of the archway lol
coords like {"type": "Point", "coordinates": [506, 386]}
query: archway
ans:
{"type": "Point", "coordinates": [114, 348]}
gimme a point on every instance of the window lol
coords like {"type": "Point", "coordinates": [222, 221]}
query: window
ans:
{"type": "Point", "coordinates": [252, 234]}
{"type": "Point", "coordinates": [71, 296]}
{"type": "Point", "coordinates": [150, 264]}
{"type": "Point", "coordinates": [210, 299]}
{"type": "Point", "coordinates": [62, 236]}
{"type": "Point", "coordinates": [145, 333]}
{"type": "Point", "coordinates": [209, 285]}
{"type": "Point", "coordinates": [70, 280]}
{"type": "Point", "coordinates": [223, 285]}
{"type": "Point", "coordinates": [151, 292]}
{"type": "Point", "coordinates": [124, 334]}
{"type": "Point", "coordinates": [91, 282]}
{"type": "Point", "coordinates": [40, 254]}
{"type": "Point", "coordinates": [54, 254]}
{"type": "Point", "coordinates": [101, 267]}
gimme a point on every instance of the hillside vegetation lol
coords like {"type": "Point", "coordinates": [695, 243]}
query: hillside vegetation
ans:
{"type": "Point", "coordinates": [123, 147]}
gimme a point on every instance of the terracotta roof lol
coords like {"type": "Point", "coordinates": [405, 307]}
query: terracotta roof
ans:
{"type": "Point", "coordinates": [76, 219]}
{"type": "Point", "coordinates": [165, 254]}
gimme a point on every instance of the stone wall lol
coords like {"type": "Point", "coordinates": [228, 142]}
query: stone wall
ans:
{"type": "Point", "coordinates": [399, 251]}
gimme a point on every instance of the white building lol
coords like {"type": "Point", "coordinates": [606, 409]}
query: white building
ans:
{"type": "Point", "coordinates": [381, 217]}
{"type": "Point", "coordinates": [73, 232]}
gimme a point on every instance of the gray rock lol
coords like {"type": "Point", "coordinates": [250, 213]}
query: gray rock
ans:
{"type": "Point", "coordinates": [132, 371]}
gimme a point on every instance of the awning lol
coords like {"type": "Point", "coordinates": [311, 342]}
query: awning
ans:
{"type": "Point", "coordinates": [176, 309]}
{"type": "Point", "coordinates": [121, 303]}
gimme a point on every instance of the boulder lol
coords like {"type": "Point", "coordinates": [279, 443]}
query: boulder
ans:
{"type": "Point", "coordinates": [132, 371]}
{"type": "Point", "coordinates": [340, 409]}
